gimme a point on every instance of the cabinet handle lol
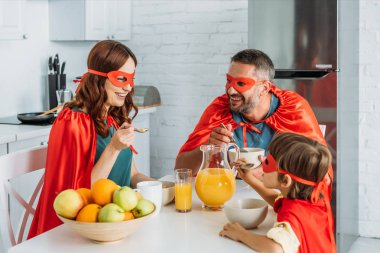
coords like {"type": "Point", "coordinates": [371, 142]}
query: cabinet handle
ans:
{"type": "Point", "coordinates": [112, 36]}
{"type": "Point", "coordinates": [25, 36]}
{"type": "Point", "coordinates": [43, 143]}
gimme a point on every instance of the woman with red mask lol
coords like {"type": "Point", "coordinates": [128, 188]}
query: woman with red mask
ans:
{"type": "Point", "coordinates": [92, 137]}
{"type": "Point", "coordinates": [297, 166]}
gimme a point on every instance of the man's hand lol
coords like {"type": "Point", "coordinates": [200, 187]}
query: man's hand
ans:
{"type": "Point", "coordinates": [220, 135]}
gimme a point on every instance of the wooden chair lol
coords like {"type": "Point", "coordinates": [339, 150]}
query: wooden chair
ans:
{"type": "Point", "coordinates": [30, 163]}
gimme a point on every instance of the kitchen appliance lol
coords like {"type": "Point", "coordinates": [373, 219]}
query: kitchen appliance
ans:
{"type": "Point", "coordinates": [146, 96]}
{"type": "Point", "coordinates": [301, 37]}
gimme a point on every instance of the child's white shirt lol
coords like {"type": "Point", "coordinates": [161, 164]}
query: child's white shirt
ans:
{"type": "Point", "coordinates": [283, 234]}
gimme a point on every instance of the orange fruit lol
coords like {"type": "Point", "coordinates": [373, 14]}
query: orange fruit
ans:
{"type": "Point", "coordinates": [102, 191]}
{"type": "Point", "coordinates": [86, 195]}
{"type": "Point", "coordinates": [89, 213]}
{"type": "Point", "coordinates": [128, 216]}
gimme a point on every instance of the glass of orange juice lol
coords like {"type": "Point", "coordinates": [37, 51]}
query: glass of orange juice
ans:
{"type": "Point", "coordinates": [183, 190]}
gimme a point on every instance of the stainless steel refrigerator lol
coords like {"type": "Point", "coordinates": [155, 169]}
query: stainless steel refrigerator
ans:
{"type": "Point", "coordinates": [302, 38]}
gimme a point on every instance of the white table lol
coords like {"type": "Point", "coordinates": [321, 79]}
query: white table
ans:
{"type": "Point", "coordinates": [170, 231]}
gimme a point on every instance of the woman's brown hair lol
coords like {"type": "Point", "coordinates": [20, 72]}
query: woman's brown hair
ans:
{"type": "Point", "coordinates": [302, 157]}
{"type": "Point", "coordinates": [105, 56]}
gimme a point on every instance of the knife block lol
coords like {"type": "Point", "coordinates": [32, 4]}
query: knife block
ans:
{"type": "Point", "coordinates": [55, 82]}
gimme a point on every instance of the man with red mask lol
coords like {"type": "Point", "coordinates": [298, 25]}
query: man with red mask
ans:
{"type": "Point", "coordinates": [253, 109]}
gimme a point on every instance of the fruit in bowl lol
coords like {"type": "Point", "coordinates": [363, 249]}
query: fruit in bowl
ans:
{"type": "Point", "coordinates": [143, 208]}
{"type": "Point", "coordinates": [68, 203]}
{"type": "Point", "coordinates": [121, 212]}
{"type": "Point", "coordinates": [126, 198]}
{"type": "Point", "coordinates": [111, 213]}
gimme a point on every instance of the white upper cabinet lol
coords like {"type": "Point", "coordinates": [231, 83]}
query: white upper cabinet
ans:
{"type": "Point", "coordinates": [11, 20]}
{"type": "Point", "coordinates": [120, 19]}
{"type": "Point", "coordinates": [97, 20]}
{"type": "Point", "coordinates": [90, 19]}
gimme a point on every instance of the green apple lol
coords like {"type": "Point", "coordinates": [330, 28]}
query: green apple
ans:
{"type": "Point", "coordinates": [68, 203]}
{"type": "Point", "coordinates": [111, 213]}
{"type": "Point", "coordinates": [125, 197]}
{"type": "Point", "coordinates": [139, 196]}
{"type": "Point", "coordinates": [143, 208]}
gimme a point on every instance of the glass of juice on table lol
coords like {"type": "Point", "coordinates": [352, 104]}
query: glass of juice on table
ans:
{"type": "Point", "coordinates": [182, 190]}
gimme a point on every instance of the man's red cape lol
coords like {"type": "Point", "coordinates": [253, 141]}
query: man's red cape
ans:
{"type": "Point", "coordinates": [70, 159]}
{"type": "Point", "coordinates": [309, 222]}
{"type": "Point", "coordinates": [294, 114]}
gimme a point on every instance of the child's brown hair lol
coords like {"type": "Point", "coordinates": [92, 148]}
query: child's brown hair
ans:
{"type": "Point", "coordinates": [302, 157]}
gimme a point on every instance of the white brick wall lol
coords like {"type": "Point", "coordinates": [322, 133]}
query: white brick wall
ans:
{"type": "Point", "coordinates": [194, 40]}
{"type": "Point", "coordinates": [369, 118]}
{"type": "Point", "coordinates": [184, 48]}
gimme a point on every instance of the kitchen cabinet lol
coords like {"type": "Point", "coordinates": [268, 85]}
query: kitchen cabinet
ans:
{"type": "Point", "coordinates": [12, 20]}
{"type": "Point", "coordinates": [90, 19]}
{"type": "Point", "coordinates": [142, 141]}
{"type": "Point", "coordinates": [3, 149]}
{"type": "Point", "coordinates": [27, 144]}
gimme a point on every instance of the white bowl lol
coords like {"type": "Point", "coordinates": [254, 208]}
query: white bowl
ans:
{"type": "Point", "coordinates": [248, 212]}
{"type": "Point", "coordinates": [105, 232]}
{"type": "Point", "coordinates": [250, 154]}
{"type": "Point", "coordinates": [167, 192]}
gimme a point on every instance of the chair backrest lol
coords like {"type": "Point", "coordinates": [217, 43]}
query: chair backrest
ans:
{"type": "Point", "coordinates": [13, 166]}
{"type": "Point", "coordinates": [323, 129]}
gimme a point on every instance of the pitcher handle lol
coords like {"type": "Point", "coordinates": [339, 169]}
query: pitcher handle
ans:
{"type": "Point", "coordinates": [237, 157]}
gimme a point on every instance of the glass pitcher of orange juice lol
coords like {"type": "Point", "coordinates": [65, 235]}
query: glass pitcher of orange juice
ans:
{"type": "Point", "coordinates": [215, 183]}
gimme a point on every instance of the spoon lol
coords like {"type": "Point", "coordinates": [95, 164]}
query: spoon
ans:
{"type": "Point", "coordinates": [232, 138]}
{"type": "Point", "coordinates": [141, 130]}
{"type": "Point", "coordinates": [246, 166]}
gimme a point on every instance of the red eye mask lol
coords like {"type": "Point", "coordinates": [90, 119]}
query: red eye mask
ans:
{"type": "Point", "coordinates": [270, 165]}
{"type": "Point", "coordinates": [240, 84]}
{"type": "Point", "coordinates": [117, 78]}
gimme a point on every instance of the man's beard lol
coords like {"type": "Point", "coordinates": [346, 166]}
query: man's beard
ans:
{"type": "Point", "coordinates": [247, 105]}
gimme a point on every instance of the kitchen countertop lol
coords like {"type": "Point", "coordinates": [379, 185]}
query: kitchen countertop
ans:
{"type": "Point", "coordinates": [12, 133]}
{"type": "Point", "coordinates": [145, 110]}
{"type": "Point", "coordinates": [5, 138]}
{"type": "Point", "coordinates": [23, 132]}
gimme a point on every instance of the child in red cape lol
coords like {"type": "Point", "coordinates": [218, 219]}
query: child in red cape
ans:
{"type": "Point", "coordinates": [297, 166]}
